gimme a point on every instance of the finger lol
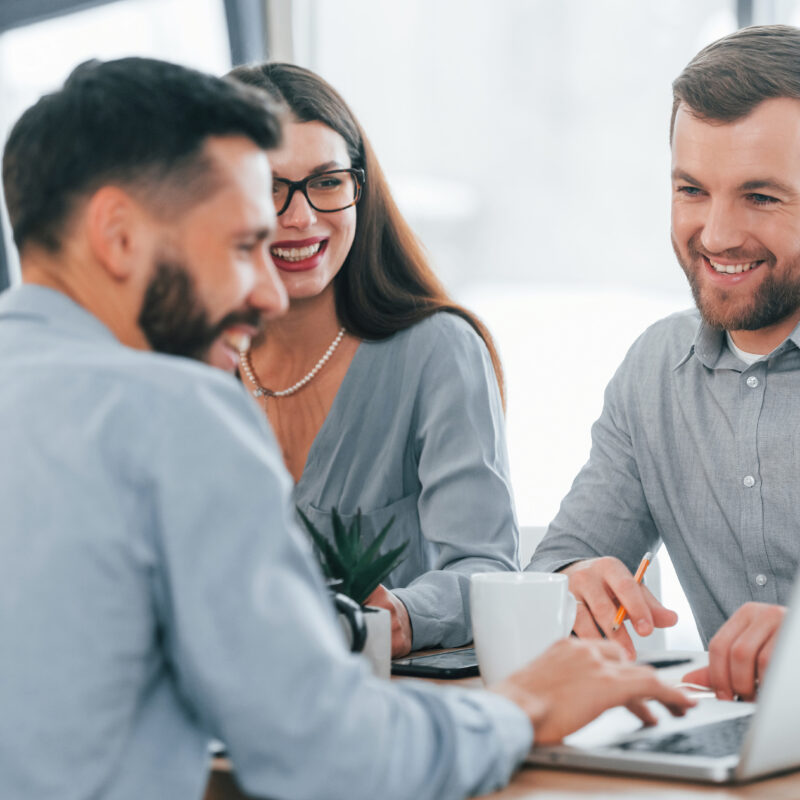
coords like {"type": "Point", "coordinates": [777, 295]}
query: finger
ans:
{"type": "Point", "coordinates": [675, 700]}
{"type": "Point", "coordinates": [399, 647]}
{"type": "Point", "coordinates": [378, 597]}
{"type": "Point", "coordinates": [743, 659]}
{"type": "Point", "coordinates": [370, 601]}
{"type": "Point", "coordinates": [590, 584]}
{"type": "Point", "coordinates": [702, 677]}
{"type": "Point", "coordinates": [622, 638]}
{"type": "Point", "coordinates": [746, 654]}
{"type": "Point", "coordinates": [644, 682]}
{"type": "Point", "coordinates": [764, 657]}
{"type": "Point", "coordinates": [663, 617]}
{"type": "Point", "coordinates": [612, 651]}
{"type": "Point", "coordinates": [585, 627]}
{"type": "Point", "coordinates": [719, 653]}
{"type": "Point", "coordinates": [640, 709]}
{"type": "Point", "coordinates": [777, 614]}
{"type": "Point", "coordinates": [380, 602]}
{"type": "Point", "coordinates": [633, 596]}
{"type": "Point", "coordinates": [599, 603]}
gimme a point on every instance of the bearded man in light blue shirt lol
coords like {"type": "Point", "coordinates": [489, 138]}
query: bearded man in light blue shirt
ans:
{"type": "Point", "coordinates": [154, 590]}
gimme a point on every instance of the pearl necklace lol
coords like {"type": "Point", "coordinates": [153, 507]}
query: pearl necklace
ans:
{"type": "Point", "coordinates": [260, 391]}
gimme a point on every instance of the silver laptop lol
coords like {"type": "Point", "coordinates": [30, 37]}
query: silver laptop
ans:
{"type": "Point", "coordinates": [717, 742]}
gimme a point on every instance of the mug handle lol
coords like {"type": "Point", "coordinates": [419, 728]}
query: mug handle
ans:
{"type": "Point", "coordinates": [355, 619]}
{"type": "Point", "coordinates": [570, 613]}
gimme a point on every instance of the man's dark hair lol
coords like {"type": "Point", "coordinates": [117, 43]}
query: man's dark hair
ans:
{"type": "Point", "coordinates": [138, 123]}
{"type": "Point", "coordinates": [728, 79]}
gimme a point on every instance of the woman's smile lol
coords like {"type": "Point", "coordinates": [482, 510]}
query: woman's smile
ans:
{"type": "Point", "coordinates": [299, 255]}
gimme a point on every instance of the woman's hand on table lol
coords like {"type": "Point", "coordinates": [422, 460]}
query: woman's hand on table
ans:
{"type": "Point", "coordinates": [574, 681]}
{"type": "Point", "coordinates": [401, 624]}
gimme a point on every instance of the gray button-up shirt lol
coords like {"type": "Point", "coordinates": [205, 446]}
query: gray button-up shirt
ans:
{"type": "Point", "coordinates": [417, 434]}
{"type": "Point", "coordinates": [697, 449]}
{"type": "Point", "coordinates": [155, 593]}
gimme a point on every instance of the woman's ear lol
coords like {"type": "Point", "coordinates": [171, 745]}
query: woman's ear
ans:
{"type": "Point", "coordinates": [119, 232]}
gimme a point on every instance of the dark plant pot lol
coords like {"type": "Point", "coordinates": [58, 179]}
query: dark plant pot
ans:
{"type": "Point", "coordinates": [353, 616]}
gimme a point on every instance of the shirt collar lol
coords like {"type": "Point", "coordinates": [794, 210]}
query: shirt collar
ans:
{"type": "Point", "coordinates": [53, 308]}
{"type": "Point", "coordinates": [707, 345]}
{"type": "Point", "coordinates": [794, 336]}
{"type": "Point", "coordinates": [711, 349]}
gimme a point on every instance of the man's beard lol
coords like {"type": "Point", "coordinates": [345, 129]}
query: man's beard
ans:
{"type": "Point", "coordinates": [174, 319]}
{"type": "Point", "coordinates": [775, 298]}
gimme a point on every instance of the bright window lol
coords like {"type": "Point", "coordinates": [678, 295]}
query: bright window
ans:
{"type": "Point", "coordinates": [527, 144]}
{"type": "Point", "coordinates": [37, 58]}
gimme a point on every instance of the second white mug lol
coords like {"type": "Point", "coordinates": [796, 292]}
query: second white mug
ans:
{"type": "Point", "coordinates": [516, 616]}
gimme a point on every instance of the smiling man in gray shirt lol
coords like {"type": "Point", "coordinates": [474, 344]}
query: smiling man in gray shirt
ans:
{"type": "Point", "coordinates": [699, 437]}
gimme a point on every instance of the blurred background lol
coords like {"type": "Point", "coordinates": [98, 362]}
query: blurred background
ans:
{"type": "Point", "coordinates": [525, 141]}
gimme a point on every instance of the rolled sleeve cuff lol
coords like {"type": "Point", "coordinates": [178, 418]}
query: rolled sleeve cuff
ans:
{"type": "Point", "coordinates": [451, 629]}
{"type": "Point", "coordinates": [548, 563]}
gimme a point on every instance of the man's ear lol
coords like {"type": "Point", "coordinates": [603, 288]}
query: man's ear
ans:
{"type": "Point", "coordinates": [118, 231]}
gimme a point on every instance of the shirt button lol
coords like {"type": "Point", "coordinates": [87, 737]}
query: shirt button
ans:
{"type": "Point", "coordinates": [752, 381]}
{"type": "Point", "coordinates": [761, 580]}
{"type": "Point", "coordinates": [749, 481]}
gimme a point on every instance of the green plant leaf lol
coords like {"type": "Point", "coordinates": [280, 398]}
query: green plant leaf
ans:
{"type": "Point", "coordinates": [368, 579]}
{"type": "Point", "coordinates": [369, 555]}
{"type": "Point", "coordinates": [354, 535]}
{"type": "Point", "coordinates": [361, 569]}
{"type": "Point", "coordinates": [332, 565]}
{"type": "Point", "coordinates": [310, 527]}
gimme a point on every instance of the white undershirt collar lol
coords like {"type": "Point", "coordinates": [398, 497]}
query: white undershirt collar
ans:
{"type": "Point", "coordinates": [748, 358]}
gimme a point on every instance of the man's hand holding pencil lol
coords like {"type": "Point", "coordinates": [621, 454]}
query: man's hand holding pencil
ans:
{"type": "Point", "coordinates": [607, 592]}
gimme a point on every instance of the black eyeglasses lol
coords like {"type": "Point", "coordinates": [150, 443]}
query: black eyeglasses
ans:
{"type": "Point", "coordinates": [329, 191]}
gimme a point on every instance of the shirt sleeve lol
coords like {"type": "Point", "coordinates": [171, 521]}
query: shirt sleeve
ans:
{"type": "Point", "coordinates": [605, 512]}
{"type": "Point", "coordinates": [466, 505]}
{"type": "Point", "coordinates": [256, 651]}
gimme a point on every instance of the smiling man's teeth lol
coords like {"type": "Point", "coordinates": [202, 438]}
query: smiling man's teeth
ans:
{"type": "Point", "coordinates": [733, 269]}
{"type": "Point", "coordinates": [296, 253]}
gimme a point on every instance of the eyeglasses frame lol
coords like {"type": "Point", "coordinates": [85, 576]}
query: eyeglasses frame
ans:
{"type": "Point", "coordinates": [301, 186]}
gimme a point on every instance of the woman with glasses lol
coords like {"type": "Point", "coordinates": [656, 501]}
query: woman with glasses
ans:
{"type": "Point", "coordinates": [383, 393]}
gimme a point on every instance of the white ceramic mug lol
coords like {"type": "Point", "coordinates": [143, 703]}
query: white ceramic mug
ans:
{"type": "Point", "coordinates": [378, 647]}
{"type": "Point", "coordinates": [516, 616]}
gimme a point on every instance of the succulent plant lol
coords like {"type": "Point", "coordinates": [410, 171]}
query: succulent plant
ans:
{"type": "Point", "coordinates": [360, 568]}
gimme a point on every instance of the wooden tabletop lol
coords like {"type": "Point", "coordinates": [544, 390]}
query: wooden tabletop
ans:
{"type": "Point", "coordinates": [555, 784]}
{"type": "Point", "coordinates": [543, 783]}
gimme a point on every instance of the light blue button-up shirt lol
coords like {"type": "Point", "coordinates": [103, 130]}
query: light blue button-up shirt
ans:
{"type": "Point", "coordinates": [155, 593]}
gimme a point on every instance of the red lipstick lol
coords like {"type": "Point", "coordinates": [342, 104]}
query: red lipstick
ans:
{"type": "Point", "coordinates": [297, 262]}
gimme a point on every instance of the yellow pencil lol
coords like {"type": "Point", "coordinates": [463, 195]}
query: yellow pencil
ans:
{"type": "Point", "coordinates": [643, 565]}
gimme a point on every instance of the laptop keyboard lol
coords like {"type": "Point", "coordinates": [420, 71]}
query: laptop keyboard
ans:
{"type": "Point", "coordinates": [713, 740]}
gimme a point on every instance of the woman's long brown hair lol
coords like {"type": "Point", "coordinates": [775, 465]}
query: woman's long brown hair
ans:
{"type": "Point", "coordinates": [385, 284]}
